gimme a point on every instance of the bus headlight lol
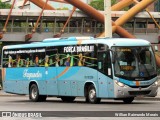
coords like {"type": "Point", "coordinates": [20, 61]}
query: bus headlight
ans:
{"type": "Point", "coordinates": [119, 83]}
{"type": "Point", "coordinates": [155, 83]}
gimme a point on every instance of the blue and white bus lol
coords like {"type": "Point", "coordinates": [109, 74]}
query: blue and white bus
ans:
{"type": "Point", "coordinates": [94, 68]}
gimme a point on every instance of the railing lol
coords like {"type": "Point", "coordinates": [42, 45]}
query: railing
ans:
{"type": "Point", "coordinates": [77, 30]}
{"type": "Point", "coordinates": [142, 30]}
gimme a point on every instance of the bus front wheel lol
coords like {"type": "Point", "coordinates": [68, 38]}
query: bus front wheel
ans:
{"type": "Point", "coordinates": [91, 95]}
{"type": "Point", "coordinates": [128, 100]}
{"type": "Point", "coordinates": [34, 94]}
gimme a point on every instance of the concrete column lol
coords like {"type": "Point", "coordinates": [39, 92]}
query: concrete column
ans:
{"type": "Point", "coordinates": [107, 15]}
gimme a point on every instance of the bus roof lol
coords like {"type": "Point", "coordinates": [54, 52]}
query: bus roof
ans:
{"type": "Point", "coordinates": [82, 40]}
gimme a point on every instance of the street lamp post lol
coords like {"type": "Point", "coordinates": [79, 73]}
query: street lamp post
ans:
{"type": "Point", "coordinates": [107, 14]}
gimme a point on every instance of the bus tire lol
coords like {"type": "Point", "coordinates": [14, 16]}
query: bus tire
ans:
{"type": "Point", "coordinates": [91, 95]}
{"type": "Point", "coordinates": [34, 94]}
{"type": "Point", "coordinates": [128, 100]}
{"type": "Point", "coordinates": [67, 99]}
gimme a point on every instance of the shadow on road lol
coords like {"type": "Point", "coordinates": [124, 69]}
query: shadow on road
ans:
{"type": "Point", "coordinates": [79, 101]}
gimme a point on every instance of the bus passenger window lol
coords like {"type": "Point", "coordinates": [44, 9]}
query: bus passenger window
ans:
{"type": "Point", "coordinates": [50, 62]}
{"type": "Point", "coordinates": [57, 60]}
{"type": "Point", "coordinates": [46, 61]}
{"type": "Point", "coordinates": [10, 62]}
{"type": "Point", "coordinates": [18, 61]}
{"type": "Point", "coordinates": [27, 62]}
{"type": "Point", "coordinates": [67, 62]}
{"type": "Point", "coordinates": [80, 61]}
{"type": "Point", "coordinates": [53, 56]}
{"type": "Point", "coordinates": [31, 63]}
{"type": "Point", "coordinates": [36, 61]}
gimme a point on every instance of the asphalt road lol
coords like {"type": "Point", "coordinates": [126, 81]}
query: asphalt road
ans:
{"type": "Point", "coordinates": [11, 103]}
{"type": "Point", "coordinates": [56, 107]}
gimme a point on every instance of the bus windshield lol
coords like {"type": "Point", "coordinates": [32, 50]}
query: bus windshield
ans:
{"type": "Point", "coordinates": [134, 63]}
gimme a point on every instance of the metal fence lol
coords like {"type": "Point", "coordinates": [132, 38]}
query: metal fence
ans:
{"type": "Point", "coordinates": [78, 30]}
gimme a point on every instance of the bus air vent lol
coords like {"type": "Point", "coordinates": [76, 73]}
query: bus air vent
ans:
{"type": "Point", "coordinates": [139, 92]}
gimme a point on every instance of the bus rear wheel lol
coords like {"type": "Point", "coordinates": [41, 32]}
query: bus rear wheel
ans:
{"type": "Point", "coordinates": [128, 100]}
{"type": "Point", "coordinates": [91, 95]}
{"type": "Point", "coordinates": [67, 99]}
{"type": "Point", "coordinates": [34, 94]}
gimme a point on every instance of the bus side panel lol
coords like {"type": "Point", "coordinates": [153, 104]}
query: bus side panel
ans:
{"type": "Point", "coordinates": [106, 86]}
{"type": "Point", "coordinates": [26, 86]}
{"type": "Point", "coordinates": [13, 86]}
{"type": "Point", "coordinates": [74, 88]}
{"type": "Point", "coordinates": [63, 77]}
{"type": "Point", "coordinates": [37, 74]}
{"type": "Point", "coordinates": [80, 87]}
{"type": "Point", "coordinates": [13, 82]}
{"type": "Point", "coordinates": [110, 88]}
{"type": "Point", "coordinates": [103, 85]}
{"type": "Point", "coordinates": [51, 80]}
{"type": "Point", "coordinates": [86, 75]}
{"type": "Point", "coordinates": [21, 77]}
{"type": "Point", "coordinates": [71, 80]}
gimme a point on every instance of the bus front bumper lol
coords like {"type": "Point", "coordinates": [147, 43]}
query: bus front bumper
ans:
{"type": "Point", "coordinates": [126, 91]}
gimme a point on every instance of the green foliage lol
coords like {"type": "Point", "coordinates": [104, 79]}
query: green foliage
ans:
{"type": "Point", "coordinates": [4, 5]}
{"type": "Point", "coordinates": [126, 9]}
{"type": "Point", "coordinates": [99, 4]}
{"type": "Point", "coordinates": [65, 8]}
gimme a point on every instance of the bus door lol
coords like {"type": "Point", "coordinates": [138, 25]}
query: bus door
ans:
{"type": "Point", "coordinates": [105, 81]}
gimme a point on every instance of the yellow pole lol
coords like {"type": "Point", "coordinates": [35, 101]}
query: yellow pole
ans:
{"type": "Point", "coordinates": [133, 11]}
{"type": "Point", "coordinates": [122, 4]}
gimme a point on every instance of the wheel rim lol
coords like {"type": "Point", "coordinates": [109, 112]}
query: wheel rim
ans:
{"type": "Point", "coordinates": [34, 93]}
{"type": "Point", "coordinates": [92, 94]}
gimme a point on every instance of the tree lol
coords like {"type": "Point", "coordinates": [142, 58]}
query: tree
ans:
{"type": "Point", "coordinates": [64, 8]}
{"type": "Point", "coordinates": [4, 5]}
{"type": "Point", "coordinates": [99, 4]}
